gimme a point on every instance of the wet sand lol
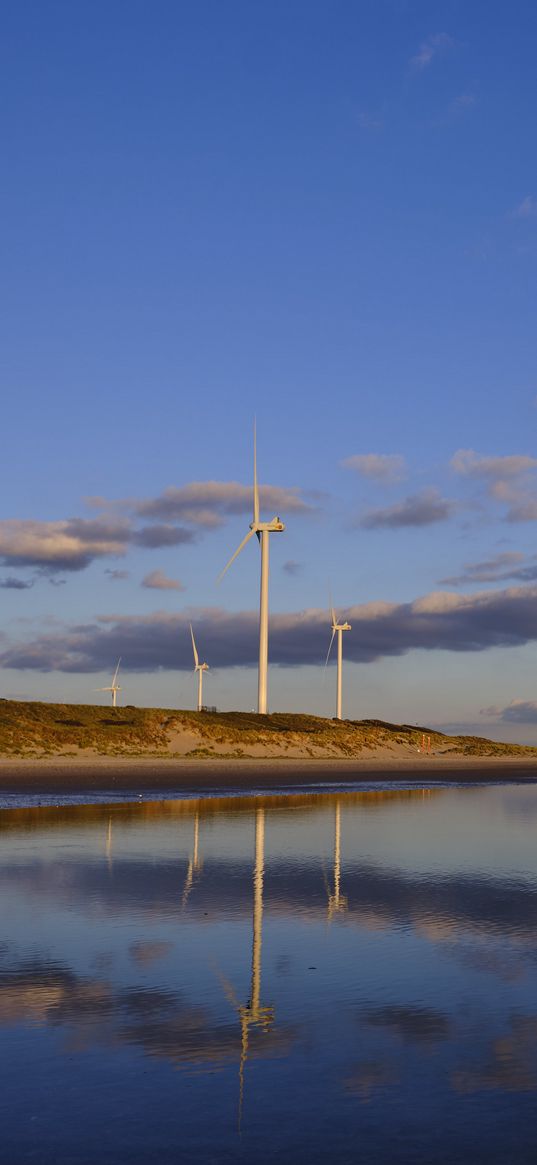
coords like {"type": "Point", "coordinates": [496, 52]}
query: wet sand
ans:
{"type": "Point", "coordinates": [57, 775]}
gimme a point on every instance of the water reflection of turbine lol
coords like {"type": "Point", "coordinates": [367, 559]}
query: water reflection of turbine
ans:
{"type": "Point", "coordinates": [337, 902]}
{"type": "Point", "coordinates": [109, 845]}
{"type": "Point", "coordinates": [195, 862]}
{"type": "Point", "coordinates": [254, 1014]}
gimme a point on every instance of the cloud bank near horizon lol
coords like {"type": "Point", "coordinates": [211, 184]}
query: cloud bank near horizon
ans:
{"type": "Point", "coordinates": [437, 621]}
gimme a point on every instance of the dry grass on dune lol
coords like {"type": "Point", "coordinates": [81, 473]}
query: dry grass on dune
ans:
{"type": "Point", "coordinates": [30, 729]}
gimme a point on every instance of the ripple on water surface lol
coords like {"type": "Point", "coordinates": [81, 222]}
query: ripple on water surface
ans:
{"type": "Point", "coordinates": [347, 976]}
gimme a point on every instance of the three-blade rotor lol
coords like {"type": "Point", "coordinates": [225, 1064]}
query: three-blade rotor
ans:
{"type": "Point", "coordinates": [197, 665]}
{"type": "Point", "coordinates": [256, 525]}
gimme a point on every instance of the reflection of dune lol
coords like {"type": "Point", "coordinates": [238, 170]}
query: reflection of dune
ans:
{"type": "Point", "coordinates": [49, 817]}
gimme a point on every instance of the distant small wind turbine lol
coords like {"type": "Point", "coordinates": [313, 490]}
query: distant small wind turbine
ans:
{"type": "Point", "coordinates": [199, 668]}
{"type": "Point", "coordinates": [114, 687]}
{"type": "Point", "coordinates": [262, 530]}
{"type": "Point", "coordinates": [337, 629]}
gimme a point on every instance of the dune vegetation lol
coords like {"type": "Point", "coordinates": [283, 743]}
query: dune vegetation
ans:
{"type": "Point", "coordinates": [30, 729]}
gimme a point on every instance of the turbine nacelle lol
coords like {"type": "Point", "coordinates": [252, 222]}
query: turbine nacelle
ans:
{"type": "Point", "coordinates": [274, 527]}
{"type": "Point", "coordinates": [341, 627]}
{"type": "Point", "coordinates": [114, 687]}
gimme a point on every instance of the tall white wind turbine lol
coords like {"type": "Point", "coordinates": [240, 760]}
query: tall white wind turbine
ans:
{"type": "Point", "coordinates": [263, 530]}
{"type": "Point", "coordinates": [199, 668]}
{"type": "Point", "coordinates": [337, 629]}
{"type": "Point", "coordinates": [114, 687]}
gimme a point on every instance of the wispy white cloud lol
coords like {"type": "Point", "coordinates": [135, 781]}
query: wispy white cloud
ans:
{"type": "Point", "coordinates": [158, 581]}
{"type": "Point", "coordinates": [517, 712]}
{"type": "Point", "coordinates": [508, 481]}
{"type": "Point", "coordinates": [463, 102]}
{"type": "Point", "coordinates": [70, 544]}
{"type": "Point", "coordinates": [430, 48]}
{"type": "Point", "coordinates": [468, 463]}
{"type": "Point", "coordinates": [207, 503]}
{"type": "Point", "coordinates": [422, 509]}
{"type": "Point", "coordinates": [117, 575]}
{"type": "Point", "coordinates": [508, 565]}
{"type": "Point", "coordinates": [291, 567]}
{"type": "Point", "coordinates": [525, 209]}
{"type": "Point", "coordinates": [382, 467]}
{"type": "Point", "coordinates": [16, 584]}
{"type": "Point", "coordinates": [369, 121]}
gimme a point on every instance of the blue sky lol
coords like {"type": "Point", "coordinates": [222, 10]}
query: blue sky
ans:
{"type": "Point", "coordinates": [324, 215]}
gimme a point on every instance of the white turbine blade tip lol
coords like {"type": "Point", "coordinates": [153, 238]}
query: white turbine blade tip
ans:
{"type": "Point", "coordinates": [196, 659]}
{"type": "Point", "coordinates": [330, 648]}
{"type": "Point", "coordinates": [256, 487]}
{"type": "Point", "coordinates": [235, 555]}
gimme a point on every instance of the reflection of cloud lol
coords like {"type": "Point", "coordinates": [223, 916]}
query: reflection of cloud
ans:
{"type": "Point", "coordinates": [504, 966]}
{"type": "Point", "coordinates": [440, 909]}
{"type": "Point", "coordinates": [144, 952]}
{"type": "Point", "coordinates": [421, 1025]}
{"type": "Point", "coordinates": [157, 1021]}
{"type": "Point", "coordinates": [512, 1063]}
{"type": "Point", "coordinates": [369, 1078]}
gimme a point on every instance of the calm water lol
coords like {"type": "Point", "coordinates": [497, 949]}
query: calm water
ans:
{"type": "Point", "coordinates": [345, 977]}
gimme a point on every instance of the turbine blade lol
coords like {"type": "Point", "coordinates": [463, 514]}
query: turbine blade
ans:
{"type": "Point", "coordinates": [116, 671]}
{"type": "Point", "coordinates": [256, 488]}
{"type": "Point", "coordinates": [196, 657]}
{"type": "Point", "coordinates": [237, 552]}
{"type": "Point", "coordinates": [332, 612]}
{"type": "Point", "coordinates": [329, 649]}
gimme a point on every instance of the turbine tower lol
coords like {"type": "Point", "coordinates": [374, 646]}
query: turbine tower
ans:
{"type": "Point", "coordinates": [263, 530]}
{"type": "Point", "coordinates": [337, 629]}
{"type": "Point", "coordinates": [199, 668]}
{"type": "Point", "coordinates": [114, 687]}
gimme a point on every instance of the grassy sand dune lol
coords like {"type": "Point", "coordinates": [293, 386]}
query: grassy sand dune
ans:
{"type": "Point", "coordinates": [35, 730]}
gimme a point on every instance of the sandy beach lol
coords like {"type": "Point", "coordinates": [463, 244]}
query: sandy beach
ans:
{"type": "Point", "coordinates": [76, 775]}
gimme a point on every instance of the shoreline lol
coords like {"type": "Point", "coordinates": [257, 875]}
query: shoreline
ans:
{"type": "Point", "coordinates": [160, 775]}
